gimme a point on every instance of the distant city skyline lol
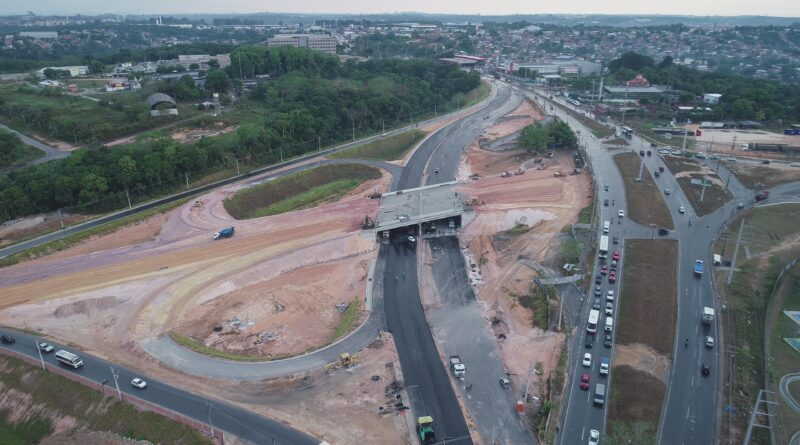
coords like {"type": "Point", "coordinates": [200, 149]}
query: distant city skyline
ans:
{"type": "Point", "coordinates": [777, 8]}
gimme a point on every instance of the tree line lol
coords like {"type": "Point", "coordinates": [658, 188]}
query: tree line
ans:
{"type": "Point", "coordinates": [539, 137]}
{"type": "Point", "coordinates": [317, 99]}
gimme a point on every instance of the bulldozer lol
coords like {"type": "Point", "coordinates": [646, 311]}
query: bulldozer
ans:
{"type": "Point", "coordinates": [425, 429]}
{"type": "Point", "coordinates": [345, 361]}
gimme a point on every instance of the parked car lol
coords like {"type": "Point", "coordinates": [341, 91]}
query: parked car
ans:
{"type": "Point", "coordinates": [663, 232]}
{"type": "Point", "coordinates": [7, 339]}
{"type": "Point", "coordinates": [585, 381]}
{"type": "Point", "coordinates": [138, 383]}
{"type": "Point", "coordinates": [45, 347]}
{"type": "Point", "coordinates": [587, 360]}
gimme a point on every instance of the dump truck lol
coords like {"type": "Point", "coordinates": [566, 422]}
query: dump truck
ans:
{"type": "Point", "coordinates": [425, 429]}
{"type": "Point", "coordinates": [224, 233]}
{"type": "Point", "coordinates": [458, 368]}
{"type": "Point", "coordinates": [708, 315]}
{"type": "Point", "coordinates": [698, 267]}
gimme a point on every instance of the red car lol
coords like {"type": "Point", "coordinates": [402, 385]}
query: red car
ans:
{"type": "Point", "coordinates": [612, 277]}
{"type": "Point", "coordinates": [603, 269]}
{"type": "Point", "coordinates": [615, 255]}
{"type": "Point", "coordinates": [585, 381]}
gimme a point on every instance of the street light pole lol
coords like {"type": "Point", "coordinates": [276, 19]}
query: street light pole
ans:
{"type": "Point", "coordinates": [116, 382]}
{"type": "Point", "coordinates": [40, 353]}
{"type": "Point", "coordinates": [209, 419]}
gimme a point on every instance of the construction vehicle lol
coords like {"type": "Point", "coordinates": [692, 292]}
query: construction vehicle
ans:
{"type": "Point", "coordinates": [458, 368]}
{"type": "Point", "coordinates": [224, 233]}
{"type": "Point", "coordinates": [345, 361]}
{"type": "Point", "coordinates": [425, 429]}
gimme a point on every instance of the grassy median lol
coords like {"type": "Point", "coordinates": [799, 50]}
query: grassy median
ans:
{"type": "Point", "coordinates": [645, 202]}
{"type": "Point", "coordinates": [390, 148]}
{"type": "Point", "coordinates": [43, 397]}
{"type": "Point", "coordinates": [299, 190]}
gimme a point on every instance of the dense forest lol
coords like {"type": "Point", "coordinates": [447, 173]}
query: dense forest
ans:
{"type": "Point", "coordinates": [312, 98]}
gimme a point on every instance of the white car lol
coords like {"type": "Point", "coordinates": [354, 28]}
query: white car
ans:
{"type": "Point", "coordinates": [663, 151]}
{"type": "Point", "coordinates": [621, 213]}
{"type": "Point", "coordinates": [676, 152]}
{"type": "Point", "coordinates": [594, 437]}
{"type": "Point", "coordinates": [587, 360]}
{"type": "Point", "coordinates": [412, 239]}
{"type": "Point", "coordinates": [681, 210]}
{"type": "Point", "coordinates": [609, 308]}
{"type": "Point", "coordinates": [731, 158]}
{"type": "Point", "coordinates": [666, 191]}
{"type": "Point", "coordinates": [709, 341]}
{"type": "Point", "coordinates": [45, 347]}
{"type": "Point", "coordinates": [794, 164]}
{"type": "Point", "coordinates": [138, 383]}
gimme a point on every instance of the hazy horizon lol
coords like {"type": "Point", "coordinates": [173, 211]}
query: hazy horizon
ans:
{"type": "Point", "coordinates": [774, 8]}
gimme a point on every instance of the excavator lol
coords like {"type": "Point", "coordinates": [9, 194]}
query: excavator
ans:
{"type": "Point", "coordinates": [425, 429]}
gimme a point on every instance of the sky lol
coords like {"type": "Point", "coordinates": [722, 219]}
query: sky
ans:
{"type": "Point", "coordinates": [781, 8]}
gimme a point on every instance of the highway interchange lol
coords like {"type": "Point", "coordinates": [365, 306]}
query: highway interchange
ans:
{"type": "Point", "coordinates": [689, 412]}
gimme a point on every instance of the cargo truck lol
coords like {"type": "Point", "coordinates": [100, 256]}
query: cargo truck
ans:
{"type": "Point", "coordinates": [603, 250]}
{"type": "Point", "coordinates": [458, 368]}
{"type": "Point", "coordinates": [224, 233]}
{"type": "Point", "coordinates": [708, 315]}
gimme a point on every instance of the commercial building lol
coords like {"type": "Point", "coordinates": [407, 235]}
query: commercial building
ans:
{"type": "Point", "coordinates": [711, 98]}
{"type": "Point", "coordinates": [326, 44]}
{"type": "Point", "coordinates": [74, 71]}
{"type": "Point", "coordinates": [631, 92]}
{"type": "Point", "coordinates": [202, 60]}
{"type": "Point", "coordinates": [39, 34]}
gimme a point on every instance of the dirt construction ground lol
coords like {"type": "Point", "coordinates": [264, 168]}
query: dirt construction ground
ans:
{"type": "Point", "coordinates": [276, 287]}
{"type": "Point", "coordinates": [537, 199]}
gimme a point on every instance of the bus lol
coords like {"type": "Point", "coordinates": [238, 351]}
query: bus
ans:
{"type": "Point", "coordinates": [603, 250]}
{"type": "Point", "coordinates": [627, 131]}
{"type": "Point", "coordinates": [594, 316]}
{"type": "Point", "coordinates": [69, 358]}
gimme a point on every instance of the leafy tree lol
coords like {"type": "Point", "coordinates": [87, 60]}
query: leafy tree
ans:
{"type": "Point", "coordinates": [631, 61]}
{"type": "Point", "coordinates": [96, 67]}
{"type": "Point", "coordinates": [194, 66]}
{"type": "Point", "coordinates": [534, 138]}
{"type": "Point", "coordinates": [742, 108]}
{"type": "Point", "coordinates": [561, 135]}
{"type": "Point", "coordinates": [217, 81]}
{"type": "Point", "coordinates": [213, 63]}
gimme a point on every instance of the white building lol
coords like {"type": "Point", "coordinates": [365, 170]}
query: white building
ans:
{"type": "Point", "coordinates": [711, 98]}
{"type": "Point", "coordinates": [324, 43]}
{"type": "Point", "coordinates": [39, 34]}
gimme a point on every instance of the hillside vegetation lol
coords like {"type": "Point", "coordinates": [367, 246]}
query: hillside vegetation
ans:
{"type": "Point", "coordinates": [317, 101]}
{"type": "Point", "coordinates": [299, 190]}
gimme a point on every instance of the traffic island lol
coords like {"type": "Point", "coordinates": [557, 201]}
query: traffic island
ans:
{"type": "Point", "coordinates": [646, 205]}
{"type": "Point", "coordinates": [691, 176]}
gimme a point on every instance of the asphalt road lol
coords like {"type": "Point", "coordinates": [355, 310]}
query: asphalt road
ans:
{"type": "Point", "coordinates": [689, 411]}
{"type": "Point", "coordinates": [18, 247]}
{"type": "Point", "coordinates": [222, 415]}
{"type": "Point", "coordinates": [50, 153]}
{"type": "Point", "coordinates": [425, 376]}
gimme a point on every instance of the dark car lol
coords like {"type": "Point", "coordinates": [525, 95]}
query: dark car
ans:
{"type": "Point", "coordinates": [598, 280]}
{"type": "Point", "coordinates": [589, 341]}
{"type": "Point", "coordinates": [641, 152]}
{"type": "Point", "coordinates": [705, 369]}
{"type": "Point", "coordinates": [7, 339]}
{"type": "Point", "coordinates": [766, 161]}
{"type": "Point", "coordinates": [607, 340]}
{"type": "Point", "coordinates": [605, 202]}
{"type": "Point", "coordinates": [649, 153]}
{"type": "Point", "coordinates": [598, 292]}
{"type": "Point", "coordinates": [596, 304]}
{"type": "Point", "coordinates": [615, 240]}
{"type": "Point", "coordinates": [663, 232]}
{"type": "Point", "coordinates": [661, 169]}
{"type": "Point", "coordinates": [653, 144]}
{"type": "Point", "coordinates": [657, 173]}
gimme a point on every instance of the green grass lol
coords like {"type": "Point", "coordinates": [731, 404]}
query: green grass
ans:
{"type": "Point", "coordinates": [518, 229]}
{"type": "Point", "coordinates": [585, 215]}
{"type": "Point", "coordinates": [570, 250]}
{"type": "Point", "coordinates": [536, 301]}
{"type": "Point", "coordinates": [645, 202]}
{"type": "Point", "coordinates": [299, 190]}
{"type": "Point", "coordinates": [71, 240]}
{"type": "Point", "coordinates": [30, 431]}
{"type": "Point", "coordinates": [93, 410]}
{"type": "Point", "coordinates": [348, 320]}
{"type": "Point", "coordinates": [387, 149]}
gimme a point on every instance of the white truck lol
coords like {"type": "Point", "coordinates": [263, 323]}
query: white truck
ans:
{"type": "Point", "coordinates": [457, 367]}
{"type": "Point", "coordinates": [708, 315]}
{"type": "Point", "coordinates": [603, 249]}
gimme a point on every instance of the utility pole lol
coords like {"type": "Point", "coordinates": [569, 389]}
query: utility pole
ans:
{"type": "Point", "coordinates": [703, 192]}
{"type": "Point", "coordinates": [354, 133]}
{"type": "Point", "coordinates": [186, 175]}
{"type": "Point", "coordinates": [685, 135]}
{"type": "Point", "coordinates": [625, 104]}
{"type": "Point", "coordinates": [129, 198]}
{"type": "Point", "coordinates": [209, 419]}
{"type": "Point", "coordinates": [319, 142]}
{"type": "Point", "coordinates": [641, 170]}
{"type": "Point", "coordinates": [60, 218]}
{"type": "Point", "coordinates": [41, 359]}
{"type": "Point", "coordinates": [237, 166]}
{"type": "Point", "coordinates": [116, 381]}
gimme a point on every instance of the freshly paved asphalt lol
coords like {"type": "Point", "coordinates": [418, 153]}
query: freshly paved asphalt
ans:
{"type": "Point", "coordinates": [238, 421]}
